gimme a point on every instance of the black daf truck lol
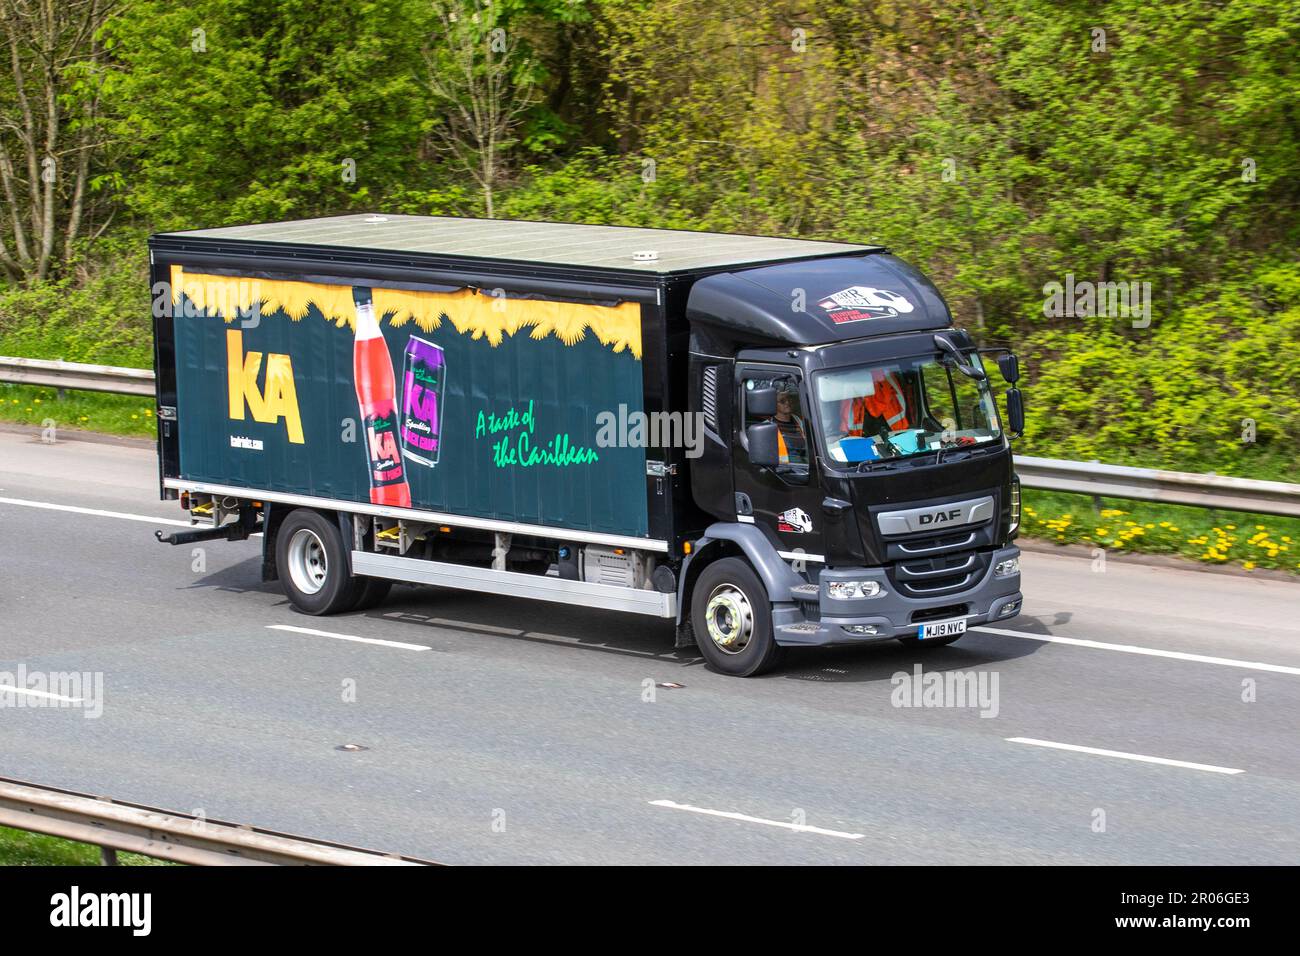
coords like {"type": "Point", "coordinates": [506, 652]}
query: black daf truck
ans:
{"type": "Point", "coordinates": [770, 442]}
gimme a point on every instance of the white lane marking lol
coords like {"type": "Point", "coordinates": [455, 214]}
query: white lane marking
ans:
{"type": "Point", "coordinates": [1210, 768]}
{"type": "Point", "coordinates": [1135, 649]}
{"type": "Point", "coordinates": [796, 827]}
{"type": "Point", "coordinates": [44, 695]}
{"type": "Point", "coordinates": [93, 511]}
{"type": "Point", "coordinates": [348, 637]}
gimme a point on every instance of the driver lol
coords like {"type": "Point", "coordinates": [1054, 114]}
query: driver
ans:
{"type": "Point", "coordinates": [888, 403]}
{"type": "Point", "coordinates": [791, 439]}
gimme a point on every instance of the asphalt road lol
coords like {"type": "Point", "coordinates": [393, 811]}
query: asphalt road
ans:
{"type": "Point", "coordinates": [504, 731]}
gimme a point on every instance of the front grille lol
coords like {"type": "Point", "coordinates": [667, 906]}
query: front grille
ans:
{"type": "Point", "coordinates": [937, 562]}
{"type": "Point", "coordinates": [918, 546]}
{"type": "Point", "coordinates": [944, 574]}
{"type": "Point", "coordinates": [939, 613]}
{"type": "Point", "coordinates": [932, 564]}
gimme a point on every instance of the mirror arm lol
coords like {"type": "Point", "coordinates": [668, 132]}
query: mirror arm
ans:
{"type": "Point", "coordinates": [950, 350]}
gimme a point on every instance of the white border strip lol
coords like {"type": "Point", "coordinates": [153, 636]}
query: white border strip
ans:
{"type": "Point", "coordinates": [799, 555]}
{"type": "Point", "coordinates": [745, 818]}
{"type": "Point", "coordinates": [411, 514]}
{"type": "Point", "coordinates": [1148, 651]}
{"type": "Point", "coordinates": [1164, 761]}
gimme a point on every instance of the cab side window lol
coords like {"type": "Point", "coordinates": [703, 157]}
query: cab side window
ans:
{"type": "Point", "coordinates": [794, 439]}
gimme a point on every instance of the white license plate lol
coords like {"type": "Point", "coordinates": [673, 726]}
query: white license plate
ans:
{"type": "Point", "coordinates": [941, 629]}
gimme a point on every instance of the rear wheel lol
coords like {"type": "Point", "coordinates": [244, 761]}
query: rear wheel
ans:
{"type": "Point", "coordinates": [313, 564]}
{"type": "Point", "coordinates": [732, 620]}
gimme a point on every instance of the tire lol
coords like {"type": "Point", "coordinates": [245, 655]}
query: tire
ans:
{"type": "Point", "coordinates": [373, 591]}
{"type": "Point", "coordinates": [313, 564]}
{"type": "Point", "coordinates": [729, 595]}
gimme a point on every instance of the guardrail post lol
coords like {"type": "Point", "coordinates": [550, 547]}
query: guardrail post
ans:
{"type": "Point", "coordinates": [107, 856]}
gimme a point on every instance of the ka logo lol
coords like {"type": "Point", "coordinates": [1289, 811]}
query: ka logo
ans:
{"type": "Point", "coordinates": [280, 398]}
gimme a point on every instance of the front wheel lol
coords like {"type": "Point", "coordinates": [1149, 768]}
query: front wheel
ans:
{"type": "Point", "coordinates": [732, 620]}
{"type": "Point", "coordinates": [313, 565]}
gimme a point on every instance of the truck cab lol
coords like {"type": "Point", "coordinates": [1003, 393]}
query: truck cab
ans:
{"type": "Point", "coordinates": [855, 462]}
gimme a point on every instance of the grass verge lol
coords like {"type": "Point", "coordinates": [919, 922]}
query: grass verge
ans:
{"type": "Point", "coordinates": [89, 411]}
{"type": "Point", "coordinates": [21, 848]}
{"type": "Point", "coordinates": [1119, 525]}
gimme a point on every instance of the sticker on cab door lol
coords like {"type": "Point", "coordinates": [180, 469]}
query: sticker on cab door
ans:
{"type": "Point", "coordinates": [796, 520]}
{"type": "Point", "coordinates": [861, 302]}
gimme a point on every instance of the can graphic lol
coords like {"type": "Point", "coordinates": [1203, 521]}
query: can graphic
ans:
{"type": "Point", "coordinates": [372, 369]}
{"type": "Point", "coordinates": [422, 390]}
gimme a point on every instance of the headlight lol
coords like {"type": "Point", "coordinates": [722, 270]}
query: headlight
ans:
{"type": "Point", "coordinates": [1015, 505]}
{"type": "Point", "coordinates": [1009, 566]}
{"type": "Point", "coordinates": [847, 590]}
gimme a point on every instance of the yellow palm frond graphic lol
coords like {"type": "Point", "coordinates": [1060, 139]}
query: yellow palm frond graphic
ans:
{"type": "Point", "coordinates": [483, 316]}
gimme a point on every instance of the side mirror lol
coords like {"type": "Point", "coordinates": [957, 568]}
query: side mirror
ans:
{"type": "Point", "coordinates": [1016, 411]}
{"type": "Point", "coordinates": [760, 402]}
{"type": "Point", "coordinates": [763, 445]}
{"type": "Point", "coordinates": [1009, 366]}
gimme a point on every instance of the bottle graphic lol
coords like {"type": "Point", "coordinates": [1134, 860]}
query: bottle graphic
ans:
{"type": "Point", "coordinates": [372, 369]}
{"type": "Point", "coordinates": [422, 390]}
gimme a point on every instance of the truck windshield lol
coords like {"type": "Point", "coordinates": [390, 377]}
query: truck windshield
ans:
{"type": "Point", "coordinates": [903, 408]}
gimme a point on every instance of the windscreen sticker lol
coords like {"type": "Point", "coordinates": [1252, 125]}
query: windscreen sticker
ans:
{"type": "Point", "coordinates": [863, 302]}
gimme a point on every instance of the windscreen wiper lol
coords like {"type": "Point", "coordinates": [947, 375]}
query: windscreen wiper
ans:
{"type": "Point", "coordinates": [879, 464]}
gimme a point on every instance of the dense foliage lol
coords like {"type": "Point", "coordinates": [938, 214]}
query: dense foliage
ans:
{"type": "Point", "coordinates": [1000, 145]}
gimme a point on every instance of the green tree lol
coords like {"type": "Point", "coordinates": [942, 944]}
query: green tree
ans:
{"type": "Point", "coordinates": [240, 111]}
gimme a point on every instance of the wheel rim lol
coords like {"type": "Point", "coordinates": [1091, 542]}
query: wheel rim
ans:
{"type": "Point", "coordinates": [308, 566]}
{"type": "Point", "coordinates": [729, 618]}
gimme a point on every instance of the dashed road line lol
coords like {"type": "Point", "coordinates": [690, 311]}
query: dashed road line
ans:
{"type": "Point", "coordinates": [1136, 649]}
{"type": "Point", "coordinates": [1143, 758]}
{"type": "Point", "coordinates": [349, 637]}
{"type": "Point", "coordinates": [41, 694]}
{"type": "Point", "coordinates": [97, 512]}
{"type": "Point", "coordinates": [746, 818]}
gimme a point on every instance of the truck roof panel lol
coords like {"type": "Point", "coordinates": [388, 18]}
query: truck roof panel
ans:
{"type": "Point", "coordinates": [550, 243]}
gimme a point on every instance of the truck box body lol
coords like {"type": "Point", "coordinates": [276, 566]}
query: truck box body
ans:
{"type": "Point", "coordinates": [496, 425]}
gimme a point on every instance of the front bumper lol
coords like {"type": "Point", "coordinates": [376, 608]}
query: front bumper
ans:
{"type": "Point", "coordinates": [892, 615]}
